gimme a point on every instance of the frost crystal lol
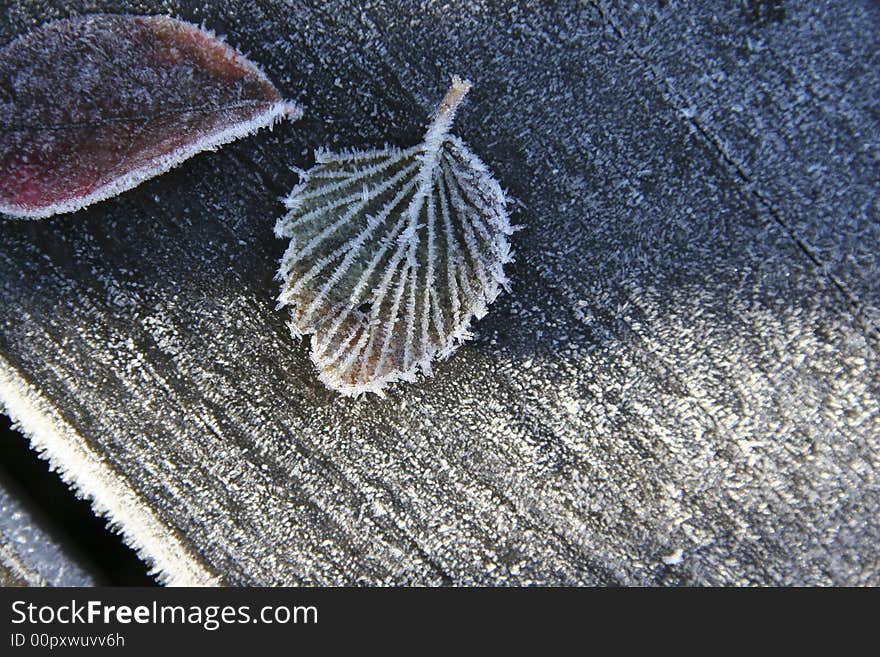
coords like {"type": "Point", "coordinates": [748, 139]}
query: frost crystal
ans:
{"type": "Point", "coordinates": [392, 252]}
{"type": "Point", "coordinates": [93, 106]}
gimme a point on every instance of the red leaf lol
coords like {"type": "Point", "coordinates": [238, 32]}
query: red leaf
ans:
{"type": "Point", "coordinates": [92, 106]}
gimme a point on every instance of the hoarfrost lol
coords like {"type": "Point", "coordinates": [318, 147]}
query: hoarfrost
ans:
{"type": "Point", "coordinates": [91, 107]}
{"type": "Point", "coordinates": [392, 253]}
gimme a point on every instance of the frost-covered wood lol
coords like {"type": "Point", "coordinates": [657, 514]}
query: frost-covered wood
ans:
{"type": "Point", "coordinates": [29, 554]}
{"type": "Point", "coordinates": [681, 387]}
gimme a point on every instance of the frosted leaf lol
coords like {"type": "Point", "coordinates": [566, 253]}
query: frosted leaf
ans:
{"type": "Point", "coordinates": [392, 252]}
{"type": "Point", "coordinates": [93, 106]}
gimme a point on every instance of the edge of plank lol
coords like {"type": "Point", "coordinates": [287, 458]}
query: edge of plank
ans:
{"type": "Point", "coordinates": [29, 554]}
{"type": "Point", "coordinates": [90, 477]}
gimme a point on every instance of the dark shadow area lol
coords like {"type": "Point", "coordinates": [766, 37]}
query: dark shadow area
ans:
{"type": "Point", "coordinates": [70, 520]}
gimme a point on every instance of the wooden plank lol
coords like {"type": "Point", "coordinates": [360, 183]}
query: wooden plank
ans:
{"type": "Point", "coordinates": [681, 388]}
{"type": "Point", "coordinates": [29, 553]}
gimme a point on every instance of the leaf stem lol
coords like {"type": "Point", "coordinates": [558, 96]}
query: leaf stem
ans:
{"type": "Point", "coordinates": [446, 111]}
{"type": "Point", "coordinates": [453, 97]}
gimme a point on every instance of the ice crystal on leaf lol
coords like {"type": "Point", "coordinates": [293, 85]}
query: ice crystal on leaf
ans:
{"type": "Point", "coordinates": [392, 252]}
{"type": "Point", "coordinates": [92, 106]}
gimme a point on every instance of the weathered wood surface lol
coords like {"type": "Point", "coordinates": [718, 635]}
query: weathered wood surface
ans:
{"type": "Point", "coordinates": [682, 388]}
{"type": "Point", "coordinates": [29, 553]}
